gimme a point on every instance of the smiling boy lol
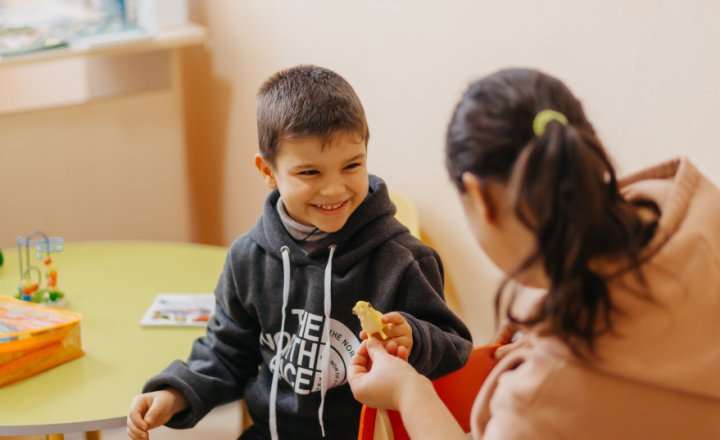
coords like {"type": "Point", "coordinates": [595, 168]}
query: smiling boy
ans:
{"type": "Point", "coordinates": [321, 181]}
{"type": "Point", "coordinates": [283, 331]}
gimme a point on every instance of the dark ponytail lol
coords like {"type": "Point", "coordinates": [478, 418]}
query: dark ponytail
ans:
{"type": "Point", "coordinates": [564, 190]}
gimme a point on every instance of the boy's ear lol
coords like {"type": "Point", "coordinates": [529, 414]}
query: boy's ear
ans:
{"type": "Point", "coordinates": [265, 171]}
{"type": "Point", "coordinates": [480, 195]}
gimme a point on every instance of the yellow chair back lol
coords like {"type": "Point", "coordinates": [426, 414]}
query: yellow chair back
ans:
{"type": "Point", "coordinates": [406, 213]}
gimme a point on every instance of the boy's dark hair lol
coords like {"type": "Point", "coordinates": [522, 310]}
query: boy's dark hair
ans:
{"type": "Point", "coordinates": [564, 190]}
{"type": "Point", "coordinates": [306, 100]}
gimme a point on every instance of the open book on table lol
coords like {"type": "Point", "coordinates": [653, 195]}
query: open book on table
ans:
{"type": "Point", "coordinates": [180, 309]}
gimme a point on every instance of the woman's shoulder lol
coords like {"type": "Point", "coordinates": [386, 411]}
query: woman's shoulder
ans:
{"type": "Point", "coordinates": [554, 394]}
{"type": "Point", "coordinates": [513, 402]}
{"type": "Point", "coordinates": [527, 369]}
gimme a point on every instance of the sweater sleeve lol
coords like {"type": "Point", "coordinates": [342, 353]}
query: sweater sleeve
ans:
{"type": "Point", "coordinates": [508, 406]}
{"type": "Point", "coordinates": [441, 341]}
{"type": "Point", "coordinates": [512, 425]}
{"type": "Point", "coordinates": [220, 362]}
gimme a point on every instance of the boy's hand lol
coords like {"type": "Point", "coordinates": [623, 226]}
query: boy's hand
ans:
{"type": "Point", "coordinates": [398, 332]}
{"type": "Point", "coordinates": [151, 410]}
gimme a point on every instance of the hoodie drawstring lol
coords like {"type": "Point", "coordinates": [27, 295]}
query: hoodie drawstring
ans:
{"type": "Point", "coordinates": [285, 251]}
{"type": "Point", "coordinates": [327, 302]}
{"type": "Point", "coordinates": [326, 337]}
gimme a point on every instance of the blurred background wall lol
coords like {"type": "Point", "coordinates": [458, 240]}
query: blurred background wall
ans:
{"type": "Point", "coordinates": [176, 164]}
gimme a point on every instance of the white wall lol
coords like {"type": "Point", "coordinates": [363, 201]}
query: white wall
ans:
{"type": "Point", "coordinates": [647, 71]}
{"type": "Point", "coordinates": [107, 170]}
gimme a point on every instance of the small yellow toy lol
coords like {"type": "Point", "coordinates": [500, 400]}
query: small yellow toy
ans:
{"type": "Point", "coordinates": [370, 319]}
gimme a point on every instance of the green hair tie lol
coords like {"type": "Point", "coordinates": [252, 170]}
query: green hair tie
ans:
{"type": "Point", "coordinates": [545, 116]}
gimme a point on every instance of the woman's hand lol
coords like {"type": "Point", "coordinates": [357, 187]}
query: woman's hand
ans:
{"type": "Point", "coordinates": [511, 337]}
{"type": "Point", "coordinates": [379, 376]}
{"type": "Point", "coordinates": [384, 381]}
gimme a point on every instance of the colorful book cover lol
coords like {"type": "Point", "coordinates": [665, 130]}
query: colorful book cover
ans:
{"type": "Point", "coordinates": [21, 319]}
{"type": "Point", "coordinates": [34, 338]}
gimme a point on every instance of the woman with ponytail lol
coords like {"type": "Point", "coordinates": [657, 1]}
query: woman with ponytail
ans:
{"type": "Point", "coordinates": [625, 342]}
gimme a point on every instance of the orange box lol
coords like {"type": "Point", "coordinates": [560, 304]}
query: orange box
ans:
{"type": "Point", "coordinates": [34, 338]}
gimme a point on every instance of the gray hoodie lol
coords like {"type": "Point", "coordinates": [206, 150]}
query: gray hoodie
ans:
{"type": "Point", "coordinates": [273, 300]}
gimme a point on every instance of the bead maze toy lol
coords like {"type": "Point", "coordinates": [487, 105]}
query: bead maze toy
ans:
{"type": "Point", "coordinates": [31, 276]}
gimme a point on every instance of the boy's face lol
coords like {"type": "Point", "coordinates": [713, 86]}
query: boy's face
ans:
{"type": "Point", "coordinates": [321, 183]}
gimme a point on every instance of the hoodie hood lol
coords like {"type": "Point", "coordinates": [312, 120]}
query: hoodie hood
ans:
{"type": "Point", "coordinates": [672, 339]}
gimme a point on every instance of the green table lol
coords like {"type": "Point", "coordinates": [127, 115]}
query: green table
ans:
{"type": "Point", "coordinates": [111, 284]}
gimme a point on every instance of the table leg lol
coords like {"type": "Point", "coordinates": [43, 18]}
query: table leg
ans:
{"type": "Point", "coordinates": [54, 437]}
{"type": "Point", "coordinates": [93, 435]}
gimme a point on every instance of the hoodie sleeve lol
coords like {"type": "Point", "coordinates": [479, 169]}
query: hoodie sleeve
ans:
{"type": "Point", "coordinates": [220, 362]}
{"type": "Point", "coordinates": [441, 341]}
